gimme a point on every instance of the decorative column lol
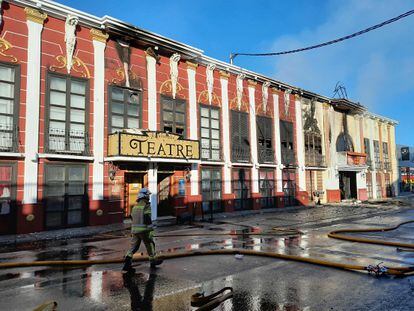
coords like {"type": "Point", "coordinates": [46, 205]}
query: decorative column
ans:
{"type": "Point", "coordinates": [224, 76]}
{"type": "Point", "coordinates": [99, 43]}
{"type": "Point", "coordinates": [191, 72]}
{"type": "Point", "coordinates": [35, 20]}
{"type": "Point", "coordinates": [300, 144]}
{"type": "Point", "coordinates": [253, 136]}
{"type": "Point", "coordinates": [279, 168]}
{"type": "Point", "coordinates": [153, 188]}
{"type": "Point", "coordinates": [374, 164]}
{"type": "Point", "coordinates": [333, 193]}
{"type": "Point", "coordinates": [152, 89]}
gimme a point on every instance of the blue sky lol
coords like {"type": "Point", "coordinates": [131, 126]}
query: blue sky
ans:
{"type": "Point", "coordinates": [377, 69]}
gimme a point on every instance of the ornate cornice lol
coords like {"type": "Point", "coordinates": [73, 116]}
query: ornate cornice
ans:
{"type": "Point", "coordinates": [251, 83]}
{"type": "Point", "coordinates": [98, 35]}
{"type": "Point", "coordinates": [224, 74]}
{"type": "Point", "coordinates": [191, 65]}
{"type": "Point", "coordinates": [275, 90]}
{"type": "Point", "coordinates": [35, 15]}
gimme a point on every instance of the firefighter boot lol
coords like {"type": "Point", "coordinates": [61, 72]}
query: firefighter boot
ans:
{"type": "Point", "coordinates": [128, 265]}
{"type": "Point", "coordinates": [155, 262]}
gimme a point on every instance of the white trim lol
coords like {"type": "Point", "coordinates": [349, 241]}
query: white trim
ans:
{"type": "Point", "coordinates": [64, 157]}
{"type": "Point", "coordinates": [153, 188]}
{"type": "Point", "coordinates": [242, 164]}
{"type": "Point", "coordinates": [253, 138]}
{"type": "Point", "coordinates": [268, 165]}
{"type": "Point", "coordinates": [315, 168]}
{"type": "Point", "coordinates": [352, 168]}
{"type": "Point", "coordinates": [300, 146]}
{"type": "Point", "coordinates": [148, 160]}
{"type": "Point", "coordinates": [192, 103]}
{"type": "Point", "coordinates": [152, 92]}
{"type": "Point", "coordinates": [12, 155]}
{"type": "Point", "coordinates": [226, 134]}
{"type": "Point", "coordinates": [279, 187]}
{"type": "Point", "coordinates": [34, 38]}
{"type": "Point", "coordinates": [212, 163]}
{"type": "Point", "coordinates": [98, 120]}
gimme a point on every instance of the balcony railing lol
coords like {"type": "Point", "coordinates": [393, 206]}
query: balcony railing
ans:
{"type": "Point", "coordinates": [239, 154]}
{"type": "Point", "coordinates": [387, 165]}
{"type": "Point", "coordinates": [288, 156]}
{"type": "Point", "coordinates": [379, 165]}
{"type": "Point", "coordinates": [352, 158]}
{"type": "Point", "coordinates": [9, 138]}
{"type": "Point", "coordinates": [68, 142]}
{"type": "Point", "coordinates": [314, 159]}
{"type": "Point", "coordinates": [266, 155]}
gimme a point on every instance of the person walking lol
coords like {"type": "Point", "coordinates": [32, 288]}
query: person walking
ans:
{"type": "Point", "coordinates": [141, 230]}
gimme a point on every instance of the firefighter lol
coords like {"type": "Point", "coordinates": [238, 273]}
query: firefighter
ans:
{"type": "Point", "coordinates": [141, 230]}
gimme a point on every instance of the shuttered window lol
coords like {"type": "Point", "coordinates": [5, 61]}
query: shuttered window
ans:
{"type": "Point", "coordinates": [240, 137]}
{"type": "Point", "coordinates": [367, 151]}
{"type": "Point", "coordinates": [125, 109]}
{"type": "Point", "coordinates": [286, 141]}
{"type": "Point", "coordinates": [210, 133]}
{"type": "Point", "coordinates": [173, 115]}
{"type": "Point", "coordinates": [265, 140]}
{"type": "Point", "coordinates": [377, 158]}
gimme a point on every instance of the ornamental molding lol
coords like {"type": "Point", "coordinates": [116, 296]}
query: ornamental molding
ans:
{"type": "Point", "coordinates": [121, 77]}
{"type": "Point", "coordinates": [35, 15]}
{"type": "Point", "coordinates": [287, 101]}
{"type": "Point", "coordinates": [251, 83]}
{"type": "Point", "coordinates": [191, 65]}
{"type": "Point", "coordinates": [1, 12]}
{"type": "Point", "coordinates": [239, 89]}
{"type": "Point", "coordinates": [265, 95]}
{"type": "Point", "coordinates": [5, 46]}
{"type": "Point", "coordinates": [167, 89]}
{"type": "Point", "coordinates": [77, 65]}
{"type": "Point", "coordinates": [99, 35]}
{"type": "Point", "coordinates": [204, 97]}
{"type": "Point", "coordinates": [70, 39]}
{"type": "Point", "coordinates": [210, 81]}
{"type": "Point", "coordinates": [174, 59]}
{"type": "Point", "coordinates": [224, 74]}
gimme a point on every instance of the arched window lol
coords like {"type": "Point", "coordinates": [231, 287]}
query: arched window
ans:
{"type": "Point", "coordinates": [344, 142]}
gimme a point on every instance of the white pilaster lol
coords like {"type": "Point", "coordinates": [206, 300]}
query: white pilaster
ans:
{"type": "Point", "coordinates": [300, 146]}
{"type": "Point", "coordinates": [332, 182]}
{"type": "Point", "coordinates": [153, 188]}
{"type": "Point", "coordinates": [152, 92]}
{"type": "Point", "coordinates": [277, 143]}
{"type": "Point", "coordinates": [373, 164]}
{"type": "Point", "coordinates": [253, 138]}
{"type": "Point", "coordinates": [99, 44]}
{"type": "Point", "coordinates": [226, 133]}
{"type": "Point", "coordinates": [191, 72]}
{"type": "Point", "coordinates": [35, 26]}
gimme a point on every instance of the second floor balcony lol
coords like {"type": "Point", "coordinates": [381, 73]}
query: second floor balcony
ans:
{"type": "Point", "coordinates": [314, 159]}
{"type": "Point", "coordinates": [266, 155]}
{"type": "Point", "coordinates": [288, 157]}
{"type": "Point", "coordinates": [240, 154]}
{"type": "Point", "coordinates": [74, 142]}
{"type": "Point", "coordinates": [9, 138]}
{"type": "Point", "coordinates": [355, 159]}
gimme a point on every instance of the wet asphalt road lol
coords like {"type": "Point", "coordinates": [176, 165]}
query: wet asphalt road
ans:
{"type": "Point", "coordinates": [258, 283]}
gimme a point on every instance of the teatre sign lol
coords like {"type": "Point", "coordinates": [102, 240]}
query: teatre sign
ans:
{"type": "Point", "coordinates": [153, 144]}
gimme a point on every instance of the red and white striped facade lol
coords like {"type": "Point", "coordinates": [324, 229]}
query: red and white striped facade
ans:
{"type": "Point", "coordinates": [110, 54]}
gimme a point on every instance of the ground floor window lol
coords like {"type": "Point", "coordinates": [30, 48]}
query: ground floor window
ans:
{"type": "Point", "coordinates": [289, 187]}
{"type": "Point", "coordinates": [267, 188]}
{"type": "Point", "coordinates": [314, 185]}
{"type": "Point", "coordinates": [241, 189]}
{"type": "Point", "coordinates": [65, 195]}
{"type": "Point", "coordinates": [7, 198]}
{"type": "Point", "coordinates": [211, 187]}
{"type": "Point", "coordinates": [369, 185]}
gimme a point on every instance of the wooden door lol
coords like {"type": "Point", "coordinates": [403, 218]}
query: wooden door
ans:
{"type": "Point", "coordinates": [133, 184]}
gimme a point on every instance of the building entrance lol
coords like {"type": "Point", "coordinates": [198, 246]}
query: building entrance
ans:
{"type": "Point", "coordinates": [133, 184]}
{"type": "Point", "coordinates": [165, 205]}
{"type": "Point", "coordinates": [347, 185]}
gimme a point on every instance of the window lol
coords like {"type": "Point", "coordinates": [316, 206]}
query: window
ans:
{"type": "Point", "coordinates": [313, 149]}
{"type": "Point", "coordinates": [377, 157]}
{"type": "Point", "coordinates": [267, 188]}
{"type": "Point", "coordinates": [125, 109]}
{"type": "Point", "coordinates": [386, 158]}
{"type": "Point", "coordinates": [367, 151]}
{"type": "Point", "coordinates": [173, 115]}
{"type": "Point", "coordinates": [211, 190]}
{"type": "Point", "coordinates": [65, 195]}
{"type": "Point", "coordinates": [286, 141]}
{"type": "Point", "coordinates": [289, 187]}
{"type": "Point", "coordinates": [344, 142]}
{"type": "Point", "coordinates": [241, 189]}
{"type": "Point", "coordinates": [9, 101]}
{"type": "Point", "coordinates": [210, 133]}
{"type": "Point", "coordinates": [265, 140]}
{"type": "Point", "coordinates": [240, 151]}
{"type": "Point", "coordinates": [369, 185]}
{"type": "Point", "coordinates": [67, 115]}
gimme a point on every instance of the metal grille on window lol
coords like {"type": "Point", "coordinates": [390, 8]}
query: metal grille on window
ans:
{"type": "Point", "coordinates": [211, 190]}
{"type": "Point", "coordinates": [241, 189]}
{"type": "Point", "coordinates": [265, 140]}
{"type": "Point", "coordinates": [377, 158]}
{"type": "Point", "coordinates": [8, 90]}
{"type": "Point", "coordinates": [210, 133]}
{"type": "Point", "coordinates": [240, 137]}
{"type": "Point", "coordinates": [267, 188]}
{"type": "Point", "coordinates": [286, 141]}
{"type": "Point", "coordinates": [125, 109]}
{"type": "Point", "coordinates": [67, 116]}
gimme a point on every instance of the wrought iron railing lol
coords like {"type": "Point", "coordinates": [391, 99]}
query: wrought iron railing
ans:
{"type": "Point", "coordinates": [9, 138]}
{"type": "Point", "coordinates": [68, 142]}
{"type": "Point", "coordinates": [288, 157]}
{"type": "Point", "coordinates": [387, 165]}
{"type": "Point", "coordinates": [266, 155]}
{"type": "Point", "coordinates": [314, 159]}
{"type": "Point", "coordinates": [240, 154]}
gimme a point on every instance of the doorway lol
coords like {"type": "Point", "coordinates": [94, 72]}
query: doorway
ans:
{"type": "Point", "coordinates": [289, 187]}
{"type": "Point", "coordinates": [165, 204]}
{"type": "Point", "coordinates": [347, 185]}
{"type": "Point", "coordinates": [133, 184]}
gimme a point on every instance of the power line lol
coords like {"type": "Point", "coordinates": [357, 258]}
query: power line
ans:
{"type": "Point", "coordinates": [361, 32]}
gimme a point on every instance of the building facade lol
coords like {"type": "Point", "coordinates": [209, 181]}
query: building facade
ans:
{"type": "Point", "coordinates": [405, 156]}
{"type": "Point", "coordinates": [93, 109]}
